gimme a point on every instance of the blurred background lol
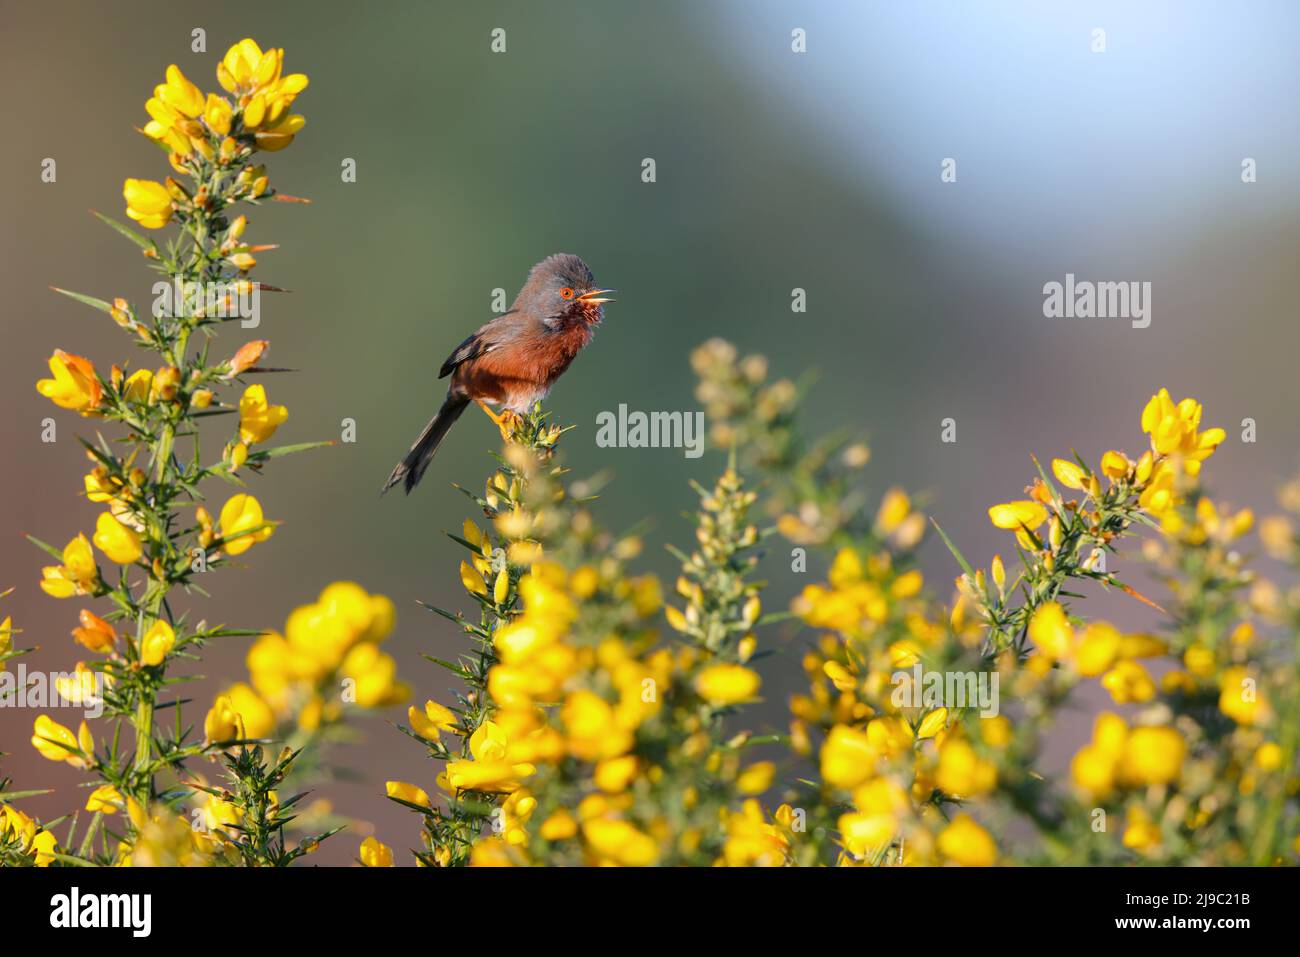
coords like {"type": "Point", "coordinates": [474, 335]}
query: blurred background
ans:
{"type": "Point", "coordinates": [775, 170]}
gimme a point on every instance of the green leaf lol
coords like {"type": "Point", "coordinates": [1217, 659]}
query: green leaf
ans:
{"type": "Point", "coordinates": [961, 559]}
{"type": "Point", "coordinates": [454, 669]}
{"type": "Point", "coordinates": [50, 549]}
{"type": "Point", "coordinates": [287, 450]}
{"type": "Point", "coordinates": [99, 304]}
{"type": "Point", "coordinates": [7, 796]}
{"type": "Point", "coordinates": [126, 231]}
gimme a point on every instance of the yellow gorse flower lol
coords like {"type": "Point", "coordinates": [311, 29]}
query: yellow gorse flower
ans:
{"type": "Point", "coordinates": [1174, 430]}
{"type": "Point", "coordinates": [119, 543]}
{"type": "Point", "coordinates": [78, 573]}
{"type": "Point", "coordinates": [264, 95]}
{"type": "Point", "coordinates": [95, 633]}
{"type": "Point", "coordinates": [105, 799]}
{"type": "Point", "coordinates": [726, 684]}
{"type": "Point", "coordinates": [222, 722]}
{"type": "Point", "coordinates": [147, 202]}
{"type": "Point", "coordinates": [964, 842]}
{"type": "Point", "coordinates": [375, 854]}
{"type": "Point", "coordinates": [74, 384]}
{"type": "Point", "coordinates": [57, 743]}
{"type": "Point", "coordinates": [258, 420]}
{"type": "Point", "coordinates": [493, 768]}
{"type": "Point", "coordinates": [1012, 516]}
{"type": "Point", "coordinates": [242, 524]}
{"type": "Point", "coordinates": [157, 643]}
{"type": "Point", "coordinates": [407, 792]}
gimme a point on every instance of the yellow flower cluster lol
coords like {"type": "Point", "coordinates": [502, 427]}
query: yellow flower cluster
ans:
{"type": "Point", "coordinates": [327, 657]}
{"type": "Point", "coordinates": [213, 129]}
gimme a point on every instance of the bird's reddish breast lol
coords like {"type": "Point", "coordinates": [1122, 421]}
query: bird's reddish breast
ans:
{"type": "Point", "coordinates": [533, 358]}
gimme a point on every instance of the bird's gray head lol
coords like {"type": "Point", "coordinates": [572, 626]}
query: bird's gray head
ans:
{"type": "Point", "coordinates": [559, 288]}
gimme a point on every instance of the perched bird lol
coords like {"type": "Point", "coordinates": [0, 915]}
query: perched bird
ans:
{"type": "Point", "coordinates": [514, 359]}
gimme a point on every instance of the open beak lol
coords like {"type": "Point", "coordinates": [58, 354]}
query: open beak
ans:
{"type": "Point", "coordinates": [595, 296]}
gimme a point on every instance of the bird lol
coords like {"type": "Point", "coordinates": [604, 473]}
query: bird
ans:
{"type": "Point", "coordinates": [513, 359]}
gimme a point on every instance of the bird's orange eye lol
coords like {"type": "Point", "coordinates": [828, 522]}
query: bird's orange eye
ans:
{"type": "Point", "coordinates": [566, 293]}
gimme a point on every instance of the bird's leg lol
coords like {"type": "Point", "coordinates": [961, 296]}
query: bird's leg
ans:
{"type": "Point", "coordinates": [506, 421]}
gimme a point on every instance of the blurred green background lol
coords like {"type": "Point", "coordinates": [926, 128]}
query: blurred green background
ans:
{"type": "Point", "coordinates": [775, 170]}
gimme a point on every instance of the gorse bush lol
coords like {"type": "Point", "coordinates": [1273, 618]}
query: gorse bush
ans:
{"type": "Point", "coordinates": [156, 535]}
{"type": "Point", "coordinates": [594, 729]}
{"type": "Point", "coordinates": [600, 717]}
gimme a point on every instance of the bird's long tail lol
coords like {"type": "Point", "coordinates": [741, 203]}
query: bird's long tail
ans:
{"type": "Point", "coordinates": [412, 467]}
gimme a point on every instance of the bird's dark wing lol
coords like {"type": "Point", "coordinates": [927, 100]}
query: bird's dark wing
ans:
{"type": "Point", "coordinates": [480, 343]}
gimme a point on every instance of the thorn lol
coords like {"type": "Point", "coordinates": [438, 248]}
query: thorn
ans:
{"type": "Point", "coordinates": [1134, 593]}
{"type": "Point", "coordinates": [286, 198]}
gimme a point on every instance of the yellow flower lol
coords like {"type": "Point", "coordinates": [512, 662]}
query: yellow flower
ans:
{"type": "Point", "coordinates": [615, 775]}
{"type": "Point", "coordinates": [217, 114]}
{"type": "Point", "coordinates": [966, 843]}
{"type": "Point", "coordinates": [118, 542]}
{"type": "Point", "coordinates": [16, 825]}
{"type": "Point", "coordinates": [894, 508]}
{"type": "Point", "coordinates": [434, 719]}
{"type": "Point", "coordinates": [472, 580]}
{"type": "Point", "coordinates": [1140, 833]}
{"type": "Point", "coordinates": [1069, 474]}
{"type": "Point", "coordinates": [247, 356]}
{"type": "Point", "coordinates": [80, 687]}
{"type": "Point", "coordinates": [46, 846]}
{"type": "Point", "coordinates": [756, 778]}
{"type": "Point", "coordinates": [1115, 465]}
{"type": "Point", "coordinates": [1013, 515]}
{"type": "Point", "coordinates": [258, 420]}
{"type": "Point", "coordinates": [223, 722]}
{"type": "Point", "coordinates": [560, 826]}
{"type": "Point", "coordinates": [492, 769]}
{"type": "Point", "coordinates": [725, 684]}
{"type": "Point", "coordinates": [138, 387]}
{"type": "Point", "coordinates": [407, 792]}
{"type": "Point", "coordinates": [591, 730]}
{"type": "Point", "coordinates": [1152, 755]}
{"type": "Point", "coordinates": [374, 676]}
{"type": "Point", "coordinates": [105, 798]}
{"type": "Point", "coordinates": [95, 633]}
{"type": "Point", "coordinates": [848, 757]}
{"type": "Point", "coordinates": [752, 840]}
{"type": "Point", "coordinates": [1093, 771]}
{"type": "Point", "coordinates": [1239, 697]}
{"type": "Point", "coordinates": [1097, 649]}
{"type": "Point", "coordinates": [1268, 757]}
{"type": "Point", "coordinates": [264, 95]}
{"type": "Point", "coordinates": [76, 576]}
{"type": "Point", "coordinates": [1173, 429]}
{"type": "Point", "coordinates": [147, 202]}
{"type": "Point", "coordinates": [1129, 682]}
{"type": "Point", "coordinates": [375, 854]}
{"type": "Point", "coordinates": [880, 804]}
{"type": "Point", "coordinates": [242, 524]}
{"type": "Point", "coordinates": [179, 93]}
{"type": "Point", "coordinates": [75, 385]}
{"type": "Point", "coordinates": [615, 841]}
{"type": "Point", "coordinates": [1093, 768]}
{"type": "Point", "coordinates": [157, 643]}
{"type": "Point", "coordinates": [1050, 631]}
{"type": "Point", "coordinates": [53, 741]}
{"type": "Point", "coordinates": [962, 772]}
{"type": "Point", "coordinates": [254, 713]}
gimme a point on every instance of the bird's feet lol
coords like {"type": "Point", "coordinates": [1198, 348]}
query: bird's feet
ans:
{"type": "Point", "coordinates": [506, 421]}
